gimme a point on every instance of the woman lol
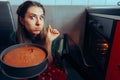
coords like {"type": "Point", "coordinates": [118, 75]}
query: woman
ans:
{"type": "Point", "coordinates": [31, 29]}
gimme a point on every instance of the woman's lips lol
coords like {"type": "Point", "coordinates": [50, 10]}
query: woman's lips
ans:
{"type": "Point", "coordinates": [37, 30]}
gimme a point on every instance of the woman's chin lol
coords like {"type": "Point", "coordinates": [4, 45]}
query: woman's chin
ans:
{"type": "Point", "coordinates": [36, 32]}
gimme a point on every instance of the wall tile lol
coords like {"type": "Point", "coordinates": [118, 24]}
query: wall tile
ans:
{"type": "Point", "coordinates": [79, 2]}
{"type": "Point", "coordinates": [111, 2]}
{"type": "Point", "coordinates": [96, 2]}
{"type": "Point", "coordinates": [68, 2]}
{"type": "Point", "coordinates": [63, 2]}
{"type": "Point", "coordinates": [47, 2]}
{"type": "Point", "coordinates": [15, 2]}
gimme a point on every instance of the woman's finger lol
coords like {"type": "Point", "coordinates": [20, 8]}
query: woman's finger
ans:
{"type": "Point", "coordinates": [49, 28]}
{"type": "Point", "coordinates": [55, 31]}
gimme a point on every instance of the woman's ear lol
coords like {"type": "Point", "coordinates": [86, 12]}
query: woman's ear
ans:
{"type": "Point", "coordinates": [22, 20]}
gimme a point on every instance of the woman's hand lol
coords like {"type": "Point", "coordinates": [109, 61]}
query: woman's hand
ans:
{"type": "Point", "coordinates": [52, 33]}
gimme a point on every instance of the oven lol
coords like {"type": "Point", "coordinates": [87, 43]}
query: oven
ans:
{"type": "Point", "coordinates": [98, 41]}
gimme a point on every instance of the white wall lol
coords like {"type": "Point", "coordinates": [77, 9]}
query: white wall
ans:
{"type": "Point", "coordinates": [69, 2]}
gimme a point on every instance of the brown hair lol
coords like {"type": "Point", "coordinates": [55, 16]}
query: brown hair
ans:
{"type": "Point", "coordinates": [21, 32]}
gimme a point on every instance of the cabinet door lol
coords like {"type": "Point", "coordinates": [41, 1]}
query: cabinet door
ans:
{"type": "Point", "coordinates": [113, 70]}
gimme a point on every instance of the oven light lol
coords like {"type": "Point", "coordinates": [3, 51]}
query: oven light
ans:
{"type": "Point", "coordinates": [103, 46]}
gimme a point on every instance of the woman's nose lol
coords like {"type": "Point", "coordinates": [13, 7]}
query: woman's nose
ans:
{"type": "Point", "coordinates": [38, 22]}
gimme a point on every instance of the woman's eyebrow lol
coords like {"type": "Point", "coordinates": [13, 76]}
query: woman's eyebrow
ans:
{"type": "Point", "coordinates": [36, 14]}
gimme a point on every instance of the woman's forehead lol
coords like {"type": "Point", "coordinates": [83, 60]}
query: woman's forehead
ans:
{"type": "Point", "coordinates": [35, 10]}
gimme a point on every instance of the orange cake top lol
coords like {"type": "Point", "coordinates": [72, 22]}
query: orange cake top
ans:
{"type": "Point", "coordinates": [24, 56]}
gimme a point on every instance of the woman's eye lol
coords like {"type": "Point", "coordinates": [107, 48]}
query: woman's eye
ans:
{"type": "Point", "coordinates": [41, 17]}
{"type": "Point", "coordinates": [32, 17]}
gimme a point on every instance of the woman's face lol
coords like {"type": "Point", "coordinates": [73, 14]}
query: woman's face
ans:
{"type": "Point", "coordinates": [34, 20]}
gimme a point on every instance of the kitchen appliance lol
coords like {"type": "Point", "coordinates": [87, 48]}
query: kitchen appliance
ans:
{"type": "Point", "coordinates": [7, 25]}
{"type": "Point", "coordinates": [101, 30]}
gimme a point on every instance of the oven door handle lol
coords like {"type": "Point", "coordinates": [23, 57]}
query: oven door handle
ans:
{"type": "Point", "coordinates": [83, 58]}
